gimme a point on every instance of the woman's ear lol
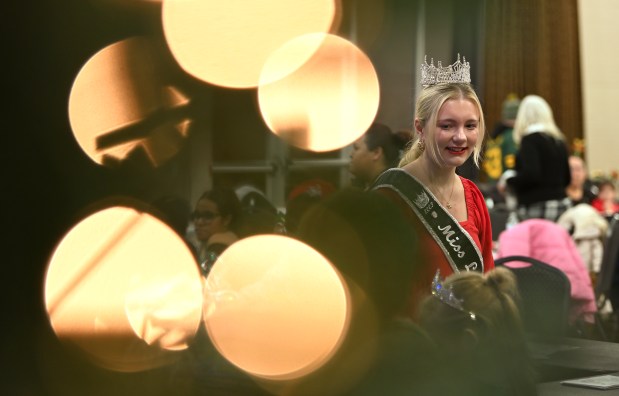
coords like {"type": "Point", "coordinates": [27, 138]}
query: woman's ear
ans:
{"type": "Point", "coordinates": [226, 220]}
{"type": "Point", "coordinates": [419, 127]}
{"type": "Point", "coordinates": [377, 153]}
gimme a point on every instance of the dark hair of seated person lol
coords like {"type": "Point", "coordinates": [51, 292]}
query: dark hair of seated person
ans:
{"type": "Point", "coordinates": [366, 239]}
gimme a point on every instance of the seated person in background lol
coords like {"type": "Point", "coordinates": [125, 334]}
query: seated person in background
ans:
{"type": "Point", "coordinates": [550, 243]}
{"type": "Point", "coordinates": [580, 189]}
{"type": "Point", "coordinates": [374, 152]}
{"type": "Point", "coordinates": [606, 201]}
{"type": "Point", "coordinates": [588, 229]}
{"type": "Point", "coordinates": [258, 214]}
{"type": "Point", "coordinates": [365, 237]}
{"type": "Point", "coordinates": [215, 219]}
{"type": "Point", "coordinates": [475, 321]}
{"type": "Point", "coordinates": [257, 221]}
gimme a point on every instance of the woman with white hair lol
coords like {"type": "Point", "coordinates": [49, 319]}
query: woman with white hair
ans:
{"type": "Point", "coordinates": [542, 170]}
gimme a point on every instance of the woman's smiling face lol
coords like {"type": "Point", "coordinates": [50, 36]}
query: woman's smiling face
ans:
{"type": "Point", "coordinates": [456, 131]}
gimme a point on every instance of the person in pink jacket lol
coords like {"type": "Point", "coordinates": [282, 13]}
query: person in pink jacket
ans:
{"type": "Point", "coordinates": [550, 243]}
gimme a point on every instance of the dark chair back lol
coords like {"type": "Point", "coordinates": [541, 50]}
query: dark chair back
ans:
{"type": "Point", "coordinates": [607, 284]}
{"type": "Point", "coordinates": [544, 293]}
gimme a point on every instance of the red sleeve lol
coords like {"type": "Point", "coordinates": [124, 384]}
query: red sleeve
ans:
{"type": "Point", "coordinates": [478, 214]}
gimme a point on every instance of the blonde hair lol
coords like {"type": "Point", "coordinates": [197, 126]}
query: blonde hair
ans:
{"type": "Point", "coordinates": [501, 344]}
{"type": "Point", "coordinates": [427, 107]}
{"type": "Point", "coordinates": [492, 296]}
{"type": "Point", "coordinates": [535, 115]}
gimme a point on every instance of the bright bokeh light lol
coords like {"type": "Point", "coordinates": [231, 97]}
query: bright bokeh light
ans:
{"type": "Point", "coordinates": [118, 104]}
{"type": "Point", "coordinates": [124, 288]}
{"type": "Point", "coordinates": [275, 307]}
{"type": "Point", "coordinates": [227, 42]}
{"type": "Point", "coordinates": [327, 103]}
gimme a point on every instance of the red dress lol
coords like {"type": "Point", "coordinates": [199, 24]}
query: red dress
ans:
{"type": "Point", "coordinates": [477, 225]}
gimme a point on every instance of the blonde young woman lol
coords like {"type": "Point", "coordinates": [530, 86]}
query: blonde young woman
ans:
{"type": "Point", "coordinates": [447, 210]}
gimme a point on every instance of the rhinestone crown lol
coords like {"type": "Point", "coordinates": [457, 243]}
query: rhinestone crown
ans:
{"type": "Point", "coordinates": [459, 72]}
{"type": "Point", "coordinates": [447, 295]}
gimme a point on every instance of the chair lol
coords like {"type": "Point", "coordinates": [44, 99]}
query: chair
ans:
{"type": "Point", "coordinates": [544, 294]}
{"type": "Point", "coordinates": [607, 284]}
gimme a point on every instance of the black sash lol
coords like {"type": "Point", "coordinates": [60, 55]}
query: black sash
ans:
{"type": "Point", "coordinates": [460, 250]}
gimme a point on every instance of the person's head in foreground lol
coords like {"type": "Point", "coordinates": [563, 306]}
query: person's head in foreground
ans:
{"type": "Point", "coordinates": [474, 319]}
{"type": "Point", "coordinates": [374, 249]}
{"type": "Point", "coordinates": [365, 237]}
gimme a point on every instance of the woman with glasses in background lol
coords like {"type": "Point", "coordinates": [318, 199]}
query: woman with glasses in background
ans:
{"type": "Point", "coordinates": [215, 219]}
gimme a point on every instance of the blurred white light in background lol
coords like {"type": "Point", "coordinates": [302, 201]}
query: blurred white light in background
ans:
{"type": "Point", "coordinates": [119, 103]}
{"type": "Point", "coordinates": [275, 307]}
{"type": "Point", "coordinates": [125, 289]}
{"type": "Point", "coordinates": [227, 42]}
{"type": "Point", "coordinates": [327, 103]}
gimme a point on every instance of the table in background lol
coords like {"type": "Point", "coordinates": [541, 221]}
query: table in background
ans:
{"type": "Point", "coordinates": [568, 358]}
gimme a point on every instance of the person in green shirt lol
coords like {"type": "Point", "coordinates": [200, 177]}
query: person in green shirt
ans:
{"type": "Point", "coordinates": [500, 153]}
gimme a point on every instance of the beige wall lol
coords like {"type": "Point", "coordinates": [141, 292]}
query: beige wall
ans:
{"type": "Point", "coordinates": [599, 42]}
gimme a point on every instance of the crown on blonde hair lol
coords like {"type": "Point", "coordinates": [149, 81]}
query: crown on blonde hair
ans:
{"type": "Point", "coordinates": [447, 296]}
{"type": "Point", "coordinates": [458, 72]}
